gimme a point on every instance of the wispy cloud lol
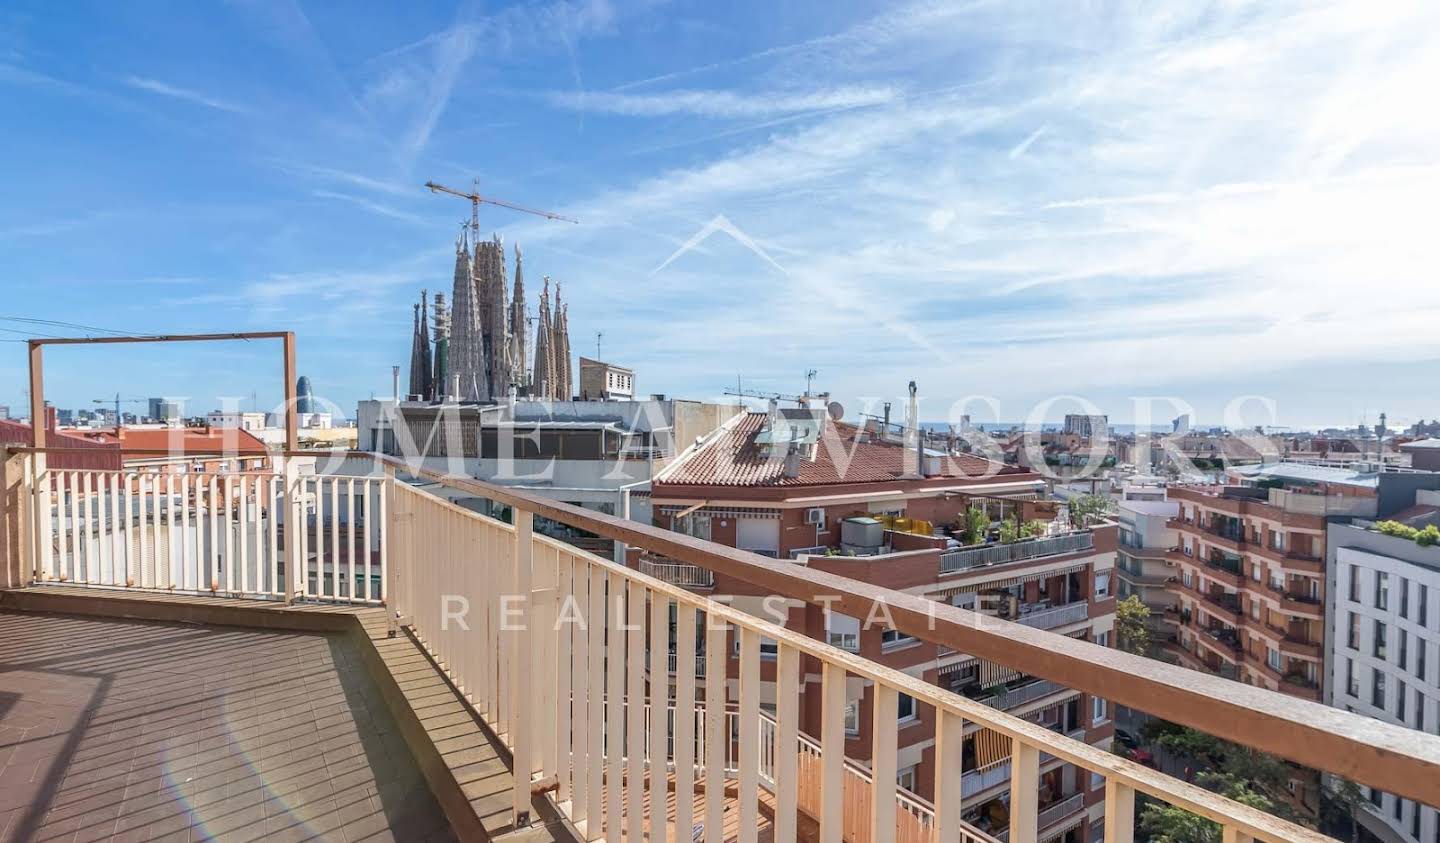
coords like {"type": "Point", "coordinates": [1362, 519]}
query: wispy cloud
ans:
{"type": "Point", "coordinates": [372, 206]}
{"type": "Point", "coordinates": [155, 86]}
{"type": "Point", "coordinates": [722, 104]}
{"type": "Point", "coordinates": [1023, 146]}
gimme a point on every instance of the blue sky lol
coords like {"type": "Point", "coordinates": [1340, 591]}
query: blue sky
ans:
{"type": "Point", "coordinates": [1199, 201]}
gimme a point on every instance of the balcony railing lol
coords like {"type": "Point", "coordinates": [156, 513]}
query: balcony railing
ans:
{"type": "Point", "coordinates": [1015, 697]}
{"type": "Point", "coordinates": [964, 558]}
{"type": "Point", "coordinates": [483, 596]}
{"type": "Point", "coordinates": [678, 573]}
{"type": "Point", "coordinates": [1057, 616]}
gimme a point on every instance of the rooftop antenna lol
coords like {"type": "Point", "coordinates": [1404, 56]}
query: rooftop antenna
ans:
{"type": "Point", "coordinates": [599, 335]}
{"type": "Point", "coordinates": [809, 379]}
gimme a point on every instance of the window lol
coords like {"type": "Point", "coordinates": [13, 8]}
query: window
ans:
{"type": "Point", "coordinates": [1352, 685]}
{"type": "Point", "coordinates": [1404, 598]}
{"type": "Point", "coordinates": [843, 631]}
{"type": "Point", "coordinates": [1256, 571]}
{"type": "Point", "coordinates": [1382, 590]}
{"type": "Point", "coordinates": [1097, 781]}
{"type": "Point", "coordinates": [852, 717]}
{"type": "Point", "coordinates": [1097, 710]}
{"type": "Point", "coordinates": [1404, 653]}
{"type": "Point", "coordinates": [1102, 584]}
{"type": "Point", "coordinates": [1378, 649]}
{"type": "Point", "coordinates": [1272, 658]}
{"type": "Point", "coordinates": [1422, 600]}
{"type": "Point", "coordinates": [1377, 689]}
{"type": "Point", "coordinates": [1400, 699]}
{"type": "Point", "coordinates": [1354, 584]}
{"type": "Point", "coordinates": [1353, 636]}
{"type": "Point", "coordinates": [906, 778]}
{"type": "Point", "coordinates": [1103, 638]}
{"type": "Point", "coordinates": [1255, 609]}
{"type": "Point", "coordinates": [1420, 647]}
{"type": "Point", "coordinates": [905, 709]}
{"type": "Point", "coordinates": [1419, 709]}
{"type": "Point", "coordinates": [893, 638]}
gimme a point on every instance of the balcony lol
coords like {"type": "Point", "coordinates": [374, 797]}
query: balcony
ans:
{"type": "Point", "coordinates": [419, 584]}
{"type": "Point", "coordinates": [1056, 616]}
{"type": "Point", "coordinates": [678, 573]}
{"type": "Point", "coordinates": [967, 558]}
{"type": "Point", "coordinates": [1007, 698]}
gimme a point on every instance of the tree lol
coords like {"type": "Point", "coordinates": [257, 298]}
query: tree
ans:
{"type": "Point", "coordinates": [1340, 801]}
{"type": "Point", "coordinates": [977, 523]}
{"type": "Point", "coordinates": [1032, 528]}
{"type": "Point", "coordinates": [1087, 509]}
{"type": "Point", "coordinates": [1132, 628]}
{"type": "Point", "coordinates": [1164, 823]}
{"type": "Point", "coordinates": [1009, 531]}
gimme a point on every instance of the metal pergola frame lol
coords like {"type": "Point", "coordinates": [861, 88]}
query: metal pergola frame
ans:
{"type": "Point", "coordinates": [37, 373]}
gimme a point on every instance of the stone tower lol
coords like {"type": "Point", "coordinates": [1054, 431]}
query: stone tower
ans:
{"type": "Point", "coordinates": [519, 360]}
{"type": "Point", "coordinates": [468, 373]}
{"type": "Point", "coordinates": [439, 381]}
{"type": "Point", "coordinates": [560, 350]}
{"type": "Point", "coordinates": [542, 385]}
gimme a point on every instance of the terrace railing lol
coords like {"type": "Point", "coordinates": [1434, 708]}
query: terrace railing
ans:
{"type": "Point", "coordinates": [228, 534]}
{"type": "Point", "coordinates": [489, 599]}
{"type": "Point", "coordinates": [964, 558]}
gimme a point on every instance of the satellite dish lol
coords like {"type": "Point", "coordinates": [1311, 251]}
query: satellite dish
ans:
{"type": "Point", "coordinates": [836, 411]}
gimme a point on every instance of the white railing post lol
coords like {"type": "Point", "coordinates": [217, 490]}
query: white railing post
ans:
{"type": "Point", "coordinates": [659, 713]}
{"type": "Point", "coordinates": [832, 753]}
{"type": "Point", "coordinates": [717, 739]}
{"type": "Point", "coordinates": [684, 721]}
{"type": "Point", "coordinates": [635, 711]}
{"type": "Point", "coordinates": [1119, 812]}
{"type": "Point", "coordinates": [787, 718]}
{"type": "Point", "coordinates": [522, 751]}
{"type": "Point", "coordinates": [949, 773]}
{"type": "Point", "coordinates": [884, 737]}
{"type": "Point", "coordinates": [614, 707]}
{"type": "Point", "coordinates": [1024, 791]}
{"type": "Point", "coordinates": [748, 791]}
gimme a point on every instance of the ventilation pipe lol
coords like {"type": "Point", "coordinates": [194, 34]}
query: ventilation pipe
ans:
{"type": "Point", "coordinates": [912, 444]}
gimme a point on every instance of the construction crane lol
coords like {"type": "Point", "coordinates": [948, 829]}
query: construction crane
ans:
{"type": "Point", "coordinates": [118, 401]}
{"type": "Point", "coordinates": [476, 200]}
{"type": "Point", "coordinates": [777, 396]}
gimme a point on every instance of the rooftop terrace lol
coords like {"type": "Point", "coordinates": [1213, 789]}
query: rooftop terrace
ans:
{"type": "Point", "coordinates": [390, 567]}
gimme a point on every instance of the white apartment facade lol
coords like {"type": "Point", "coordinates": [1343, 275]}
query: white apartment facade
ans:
{"type": "Point", "coordinates": [1383, 649]}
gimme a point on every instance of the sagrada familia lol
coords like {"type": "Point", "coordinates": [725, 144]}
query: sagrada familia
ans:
{"type": "Point", "coordinates": [481, 341]}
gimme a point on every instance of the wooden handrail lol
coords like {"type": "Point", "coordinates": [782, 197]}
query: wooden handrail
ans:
{"type": "Point", "coordinates": [1393, 758]}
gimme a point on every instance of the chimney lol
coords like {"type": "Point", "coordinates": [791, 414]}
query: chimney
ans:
{"type": "Point", "coordinates": [772, 411]}
{"type": "Point", "coordinates": [886, 429]}
{"type": "Point", "coordinates": [912, 445]}
{"type": "Point", "coordinates": [50, 417]}
{"type": "Point", "coordinates": [791, 468]}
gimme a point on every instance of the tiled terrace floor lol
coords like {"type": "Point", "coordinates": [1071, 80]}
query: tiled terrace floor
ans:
{"type": "Point", "coordinates": [113, 729]}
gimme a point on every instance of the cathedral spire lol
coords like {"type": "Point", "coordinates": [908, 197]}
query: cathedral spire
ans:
{"type": "Point", "coordinates": [466, 359]}
{"type": "Point", "coordinates": [542, 385]}
{"type": "Point", "coordinates": [560, 342]}
{"type": "Point", "coordinates": [417, 374]}
{"type": "Point", "coordinates": [427, 385]}
{"type": "Point", "coordinates": [519, 360]}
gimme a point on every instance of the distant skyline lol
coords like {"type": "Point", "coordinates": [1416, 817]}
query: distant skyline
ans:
{"type": "Point", "coordinates": [1199, 200]}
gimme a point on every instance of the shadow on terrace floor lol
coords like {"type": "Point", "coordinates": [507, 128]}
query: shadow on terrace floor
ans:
{"type": "Point", "coordinates": [113, 729]}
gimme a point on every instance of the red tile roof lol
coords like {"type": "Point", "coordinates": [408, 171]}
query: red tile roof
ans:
{"type": "Point", "coordinates": [843, 455]}
{"type": "Point", "coordinates": [188, 440]}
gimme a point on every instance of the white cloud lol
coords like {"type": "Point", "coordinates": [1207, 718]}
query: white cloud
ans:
{"type": "Point", "coordinates": [722, 104]}
{"type": "Point", "coordinates": [1221, 196]}
{"type": "Point", "coordinates": [155, 86]}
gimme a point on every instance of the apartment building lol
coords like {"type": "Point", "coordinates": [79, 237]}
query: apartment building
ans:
{"type": "Point", "coordinates": [1383, 645]}
{"type": "Point", "coordinates": [1142, 563]}
{"type": "Point", "coordinates": [858, 502]}
{"type": "Point", "coordinates": [596, 454]}
{"type": "Point", "coordinates": [1251, 591]}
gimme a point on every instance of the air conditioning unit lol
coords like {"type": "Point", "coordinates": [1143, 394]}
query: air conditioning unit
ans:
{"type": "Point", "coordinates": [815, 515]}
